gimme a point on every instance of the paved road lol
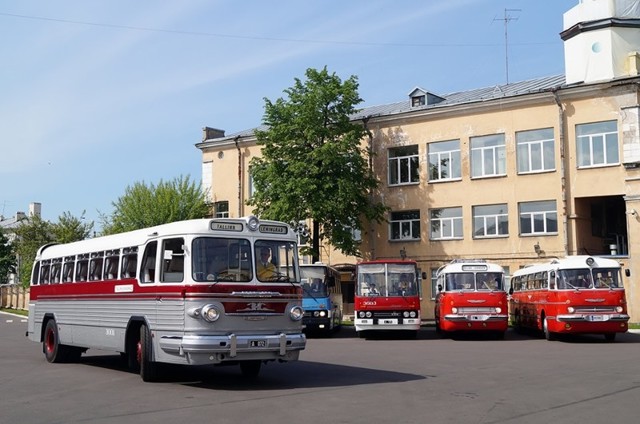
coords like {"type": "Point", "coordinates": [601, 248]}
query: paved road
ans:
{"type": "Point", "coordinates": [345, 379]}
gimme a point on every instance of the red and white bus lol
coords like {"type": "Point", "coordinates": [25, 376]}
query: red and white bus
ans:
{"type": "Point", "coordinates": [387, 297]}
{"type": "Point", "coordinates": [206, 291]}
{"type": "Point", "coordinates": [576, 294]}
{"type": "Point", "coordinates": [471, 297]}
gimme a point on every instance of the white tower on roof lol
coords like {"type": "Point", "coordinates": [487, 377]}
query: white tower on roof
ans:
{"type": "Point", "coordinates": [601, 40]}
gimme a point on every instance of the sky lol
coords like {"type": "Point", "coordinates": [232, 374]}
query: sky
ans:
{"type": "Point", "coordinates": [96, 96]}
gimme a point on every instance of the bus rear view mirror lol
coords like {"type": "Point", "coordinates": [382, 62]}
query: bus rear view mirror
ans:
{"type": "Point", "coordinates": [627, 272]}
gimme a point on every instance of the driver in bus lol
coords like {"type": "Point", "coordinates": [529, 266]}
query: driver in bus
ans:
{"type": "Point", "coordinates": [265, 268]}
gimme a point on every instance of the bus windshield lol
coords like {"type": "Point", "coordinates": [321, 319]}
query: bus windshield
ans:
{"type": "Point", "coordinates": [585, 278]}
{"type": "Point", "coordinates": [387, 280]}
{"type": "Point", "coordinates": [221, 259]}
{"type": "Point", "coordinates": [314, 283]}
{"type": "Point", "coordinates": [471, 281]}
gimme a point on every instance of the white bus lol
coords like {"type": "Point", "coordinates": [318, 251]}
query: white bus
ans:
{"type": "Point", "coordinates": [206, 291]}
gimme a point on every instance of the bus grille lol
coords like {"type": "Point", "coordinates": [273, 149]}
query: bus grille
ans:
{"type": "Point", "coordinates": [477, 310]}
{"type": "Point", "coordinates": [590, 309]}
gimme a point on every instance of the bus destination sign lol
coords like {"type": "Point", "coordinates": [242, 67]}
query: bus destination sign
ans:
{"type": "Point", "coordinates": [226, 226]}
{"type": "Point", "coordinates": [273, 229]}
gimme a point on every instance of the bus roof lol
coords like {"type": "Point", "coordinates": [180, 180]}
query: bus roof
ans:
{"type": "Point", "coordinates": [192, 226]}
{"type": "Point", "coordinates": [568, 262]}
{"type": "Point", "coordinates": [462, 265]}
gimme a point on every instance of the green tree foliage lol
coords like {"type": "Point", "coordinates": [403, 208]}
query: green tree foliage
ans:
{"type": "Point", "coordinates": [31, 234]}
{"type": "Point", "coordinates": [313, 163]}
{"type": "Point", "coordinates": [7, 258]}
{"type": "Point", "coordinates": [70, 228]}
{"type": "Point", "coordinates": [145, 205]}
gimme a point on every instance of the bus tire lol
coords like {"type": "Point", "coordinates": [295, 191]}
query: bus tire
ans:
{"type": "Point", "coordinates": [148, 368]}
{"type": "Point", "coordinates": [54, 352]}
{"type": "Point", "coordinates": [545, 328]}
{"type": "Point", "coordinates": [250, 369]}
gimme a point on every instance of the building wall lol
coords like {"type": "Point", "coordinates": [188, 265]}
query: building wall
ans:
{"type": "Point", "coordinates": [571, 188]}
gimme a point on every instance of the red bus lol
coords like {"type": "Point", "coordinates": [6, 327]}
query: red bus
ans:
{"type": "Point", "coordinates": [576, 294]}
{"type": "Point", "coordinates": [206, 291]}
{"type": "Point", "coordinates": [471, 297]}
{"type": "Point", "coordinates": [387, 297]}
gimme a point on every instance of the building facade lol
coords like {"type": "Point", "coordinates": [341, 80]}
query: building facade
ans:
{"type": "Point", "coordinates": [514, 174]}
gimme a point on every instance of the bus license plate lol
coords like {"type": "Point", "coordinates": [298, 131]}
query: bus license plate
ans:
{"type": "Point", "coordinates": [258, 343]}
{"type": "Point", "coordinates": [596, 318]}
{"type": "Point", "coordinates": [389, 321]}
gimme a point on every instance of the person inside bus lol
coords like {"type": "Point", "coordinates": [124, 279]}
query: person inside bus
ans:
{"type": "Point", "coordinates": [316, 285]}
{"type": "Point", "coordinates": [405, 285]}
{"type": "Point", "coordinates": [265, 268]}
{"type": "Point", "coordinates": [373, 289]}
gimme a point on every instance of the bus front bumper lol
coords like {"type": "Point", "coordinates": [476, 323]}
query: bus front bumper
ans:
{"type": "Point", "coordinates": [233, 345]}
{"type": "Point", "coordinates": [475, 318]}
{"type": "Point", "coordinates": [593, 318]}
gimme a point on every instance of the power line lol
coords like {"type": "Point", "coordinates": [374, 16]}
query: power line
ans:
{"type": "Point", "coordinates": [260, 38]}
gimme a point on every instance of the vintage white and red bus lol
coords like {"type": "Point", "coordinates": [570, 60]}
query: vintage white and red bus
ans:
{"type": "Point", "coordinates": [206, 291]}
{"type": "Point", "coordinates": [575, 294]}
{"type": "Point", "coordinates": [471, 297]}
{"type": "Point", "coordinates": [387, 297]}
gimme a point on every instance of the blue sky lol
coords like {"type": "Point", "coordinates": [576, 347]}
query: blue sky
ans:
{"type": "Point", "coordinates": [98, 95]}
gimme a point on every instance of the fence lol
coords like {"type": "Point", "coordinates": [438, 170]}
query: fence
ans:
{"type": "Point", "coordinates": [14, 297]}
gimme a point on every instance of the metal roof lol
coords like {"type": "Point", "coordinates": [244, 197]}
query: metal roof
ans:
{"type": "Point", "coordinates": [451, 99]}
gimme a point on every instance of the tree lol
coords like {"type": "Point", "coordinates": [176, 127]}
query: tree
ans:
{"type": "Point", "coordinates": [313, 165]}
{"type": "Point", "coordinates": [31, 234]}
{"type": "Point", "coordinates": [7, 258]}
{"type": "Point", "coordinates": [145, 205]}
{"type": "Point", "coordinates": [70, 228]}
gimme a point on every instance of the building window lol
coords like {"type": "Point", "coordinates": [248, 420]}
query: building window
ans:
{"type": "Point", "coordinates": [488, 156]}
{"type": "Point", "coordinates": [444, 160]}
{"type": "Point", "coordinates": [252, 185]}
{"type": "Point", "coordinates": [597, 144]}
{"type": "Point", "coordinates": [404, 165]}
{"type": "Point", "coordinates": [446, 223]}
{"type": "Point", "coordinates": [536, 151]}
{"type": "Point", "coordinates": [405, 225]}
{"type": "Point", "coordinates": [490, 221]}
{"type": "Point", "coordinates": [417, 101]}
{"type": "Point", "coordinates": [221, 209]}
{"type": "Point", "coordinates": [538, 217]}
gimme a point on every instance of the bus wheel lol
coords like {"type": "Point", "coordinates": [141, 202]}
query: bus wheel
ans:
{"type": "Point", "coordinates": [54, 352]}
{"type": "Point", "coordinates": [250, 369]}
{"type": "Point", "coordinates": [610, 337]}
{"type": "Point", "coordinates": [148, 368]}
{"type": "Point", "coordinates": [545, 327]}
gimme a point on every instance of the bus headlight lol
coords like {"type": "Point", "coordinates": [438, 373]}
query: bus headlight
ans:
{"type": "Point", "coordinates": [619, 309]}
{"type": "Point", "coordinates": [405, 314]}
{"type": "Point", "coordinates": [368, 314]}
{"type": "Point", "coordinates": [210, 313]}
{"type": "Point", "coordinates": [498, 309]}
{"type": "Point", "coordinates": [323, 313]}
{"type": "Point", "coordinates": [571, 309]}
{"type": "Point", "coordinates": [252, 223]}
{"type": "Point", "coordinates": [296, 313]}
{"type": "Point", "coordinates": [454, 310]}
{"type": "Point", "coordinates": [361, 314]}
{"type": "Point", "coordinates": [412, 314]}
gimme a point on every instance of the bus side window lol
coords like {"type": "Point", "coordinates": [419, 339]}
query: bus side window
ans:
{"type": "Point", "coordinates": [36, 274]}
{"type": "Point", "coordinates": [129, 262]}
{"type": "Point", "coordinates": [148, 272]}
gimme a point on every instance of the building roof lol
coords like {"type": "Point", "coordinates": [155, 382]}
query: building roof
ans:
{"type": "Point", "coordinates": [457, 98]}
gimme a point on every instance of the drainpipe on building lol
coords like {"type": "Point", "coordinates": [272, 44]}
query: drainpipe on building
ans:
{"type": "Point", "coordinates": [235, 140]}
{"type": "Point", "coordinates": [563, 173]}
{"type": "Point", "coordinates": [372, 239]}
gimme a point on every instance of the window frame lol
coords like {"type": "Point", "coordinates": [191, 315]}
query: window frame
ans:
{"type": "Point", "coordinates": [529, 141]}
{"type": "Point", "coordinates": [590, 138]}
{"type": "Point", "coordinates": [454, 222]}
{"type": "Point", "coordinates": [403, 161]}
{"type": "Point", "coordinates": [413, 224]}
{"type": "Point", "coordinates": [537, 213]}
{"type": "Point", "coordinates": [498, 155]}
{"type": "Point", "coordinates": [496, 218]}
{"type": "Point", "coordinates": [454, 157]}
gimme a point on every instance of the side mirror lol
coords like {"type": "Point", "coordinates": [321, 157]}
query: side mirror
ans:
{"type": "Point", "coordinates": [510, 290]}
{"type": "Point", "coordinates": [439, 287]}
{"type": "Point", "coordinates": [627, 272]}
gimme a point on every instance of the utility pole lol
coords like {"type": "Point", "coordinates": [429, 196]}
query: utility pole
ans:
{"type": "Point", "coordinates": [507, 18]}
